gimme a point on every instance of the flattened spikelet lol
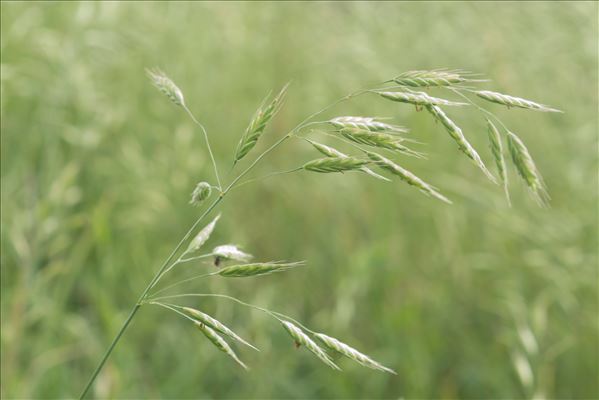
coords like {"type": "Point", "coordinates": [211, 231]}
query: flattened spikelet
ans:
{"type": "Point", "coordinates": [456, 133]}
{"type": "Point", "coordinates": [302, 339]}
{"type": "Point", "coordinates": [406, 176]}
{"type": "Point", "coordinates": [202, 236]}
{"type": "Point", "coordinates": [419, 99]}
{"type": "Point", "coordinates": [257, 125]}
{"type": "Point", "coordinates": [219, 342]}
{"type": "Point", "coordinates": [331, 152]}
{"type": "Point", "coordinates": [429, 78]}
{"type": "Point", "coordinates": [497, 151]}
{"type": "Point", "coordinates": [351, 353]}
{"type": "Point", "coordinates": [201, 192]}
{"type": "Point", "coordinates": [166, 86]}
{"type": "Point", "coordinates": [255, 269]}
{"type": "Point", "coordinates": [214, 324]}
{"type": "Point", "coordinates": [335, 164]}
{"type": "Point", "coordinates": [366, 123]}
{"type": "Point", "coordinates": [377, 139]}
{"type": "Point", "coordinates": [231, 252]}
{"type": "Point", "coordinates": [526, 168]}
{"type": "Point", "coordinates": [511, 101]}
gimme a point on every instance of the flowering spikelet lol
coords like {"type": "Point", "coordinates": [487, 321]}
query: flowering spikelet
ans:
{"type": "Point", "coordinates": [230, 252]}
{"type": "Point", "coordinates": [335, 164]}
{"type": "Point", "coordinates": [456, 133]}
{"type": "Point", "coordinates": [214, 324]}
{"type": "Point", "coordinates": [302, 339]}
{"type": "Point", "coordinates": [202, 236]}
{"type": "Point", "coordinates": [366, 123]}
{"type": "Point", "coordinates": [377, 139]}
{"type": "Point", "coordinates": [511, 101]}
{"type": "Point", "coordinates": [406, 176]}
{"type": "Point", "coordinates": [201, 192]}
{"type": "Point", "coordinates": [255, 269]}
{"type": "Point", "coordinates": [166, 86]}
{"type": "Point", "coordinates": [331, 152]}
{"type": "Point", "coordinates": [497, 151]}
{"type": "Point", "coordinates": [419, 99]}
{"type": "Point", "coordinates": [429, 78]}
{"type": "Point", "coordinates": [526, 168]}
{"type": "Point", "coordinates": [219, 342]}
{"type": "Point", "coordinates": [257, 125]}
{"type": "Point", "coordinates": [350, 352]}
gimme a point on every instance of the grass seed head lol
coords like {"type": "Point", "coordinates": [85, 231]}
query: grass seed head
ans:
{"type": "Point", "coordinates": [348, 351]}
{"type": "Point", "coordinates": [219, 342]}
{"type": "Point", "coordinates": [202, 236]}
{"type": "Point", "coordinates": [527, 168]}
{"type": "Point", "coordinates": [230, 252]}
{"type": "Point", "coordinates": [301, 339]}
{"type": "Point", "coordinates": [511, 101]}
{"type": "Point", "coordinates": [255, 269]}
{"type": "Point", "coordinates": [335, 164]}
{"type": "Point", "coordinates": [456, 133]}
{"type": "Point", "coordinates": [497, 151]}
{"type": "Point", "coordinates": [378, 139]}
{"type": "Point", "coordinates": [202, 191]}
{"type": "Point", "coordinates": [430, 78]}
{"type": "Point", "coordinates": [214, 324]}
{"type": "Point", "coordinates": [406, 176]}
{"type": "Point", "coordinates": [258, 123]}
{"type": "Point", "coordinates": [419, 99]}
{"type": "Point", "coordinates": [366, 123]}
{"type": "Point", "coordinates": [166, 86]}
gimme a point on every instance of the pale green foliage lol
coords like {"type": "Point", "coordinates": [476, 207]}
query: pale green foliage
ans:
{"type": "Point", "coordinates": [219, 342]}
{"type": "Point", "coordinates": [166, 86]}
{"type": "Point", "coordinates": [335, 164]}
{"type": "Point", "coordinates": [213, 323]}
{"type": "Point", "coordinates": [511, 101]}
{"type": "Point", "coordinates": [527, 168]}
{"type": "Point", "coordinates": [378, 139]}
{"type": "Point", "coordinates": [200, 193]}
{"type": "Point", "coordinates": [418, 99]}
{"type": "Point", "coordinates": [255, 269]}
{"type": "Point", "coordinates": [301, 339]}
{"type": "Point", "coordinates": [202, 236]}
{"type": "Point", "coordinates": [497, 151]}
{"type": "Point", "coordinates": [367, 123]}
{"type": "Point", "coordinates": [430, 78]}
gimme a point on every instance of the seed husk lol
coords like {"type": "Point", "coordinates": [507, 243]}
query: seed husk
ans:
{"type": "Point", "coordinates": [255, 269]}
{"type": "Point", "coordinates": [512, 101]}
{"type": "Point", "coordinates": [527, 168]}
{"type": "Point", "coordinates": [377, 139]}
{"type": "Point", "coordinates": [419, 99]}
{"type": "Point", "coordinates": [366, 123]}
{"type": "Point", "coordinates": [335, 164]}
{"type": "Point", "coordinates": [166, 86]}
{"type": "Point", "coordinates": [219, 342]}
{"type": "Point", "coordinates": [202, 236]}
{"type": "Point", "coordinates": [301, 338]}
{"type": "Point", "coordinates": [429, 78]}
{"type": "Point", "coordinates": [214, 324]}
{"type": "Point", "coordinates": [497, 151]}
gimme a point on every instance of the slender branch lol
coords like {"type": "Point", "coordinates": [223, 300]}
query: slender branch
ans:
{"type": "Point", "coordinates": [183, 281]}
{"type": "Point", "coordinates": [220, 186]}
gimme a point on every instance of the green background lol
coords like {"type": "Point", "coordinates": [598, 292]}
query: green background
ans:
{"type": "Point", "coordinates": [473, 300]}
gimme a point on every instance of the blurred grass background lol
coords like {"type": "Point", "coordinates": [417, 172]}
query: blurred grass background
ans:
{"type": "Point", "coordinates": [474, 300]}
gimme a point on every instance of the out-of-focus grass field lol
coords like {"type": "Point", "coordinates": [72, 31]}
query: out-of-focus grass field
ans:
{"type": "Point", "coordinates": [474, 300]}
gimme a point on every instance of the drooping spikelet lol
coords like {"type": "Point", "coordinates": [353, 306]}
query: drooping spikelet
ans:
{"type": "Point", "coordinates": [331, 152]}
{"type": "Point", "coordinates": [301, 338]}
{"type": "Point", "coordinates": [377, 139]}
{"type": "Point", "coordinates": [429, 78]}
{"type": "Point", "coordinates": [335, 164]}
{"type": "Point", "coordinates": [230, 252]}
{"type": "Point", "coordinates": [526, 168]}
{"type": "Point", "coordinates": [366, 123]}
{"type": "Point", "coordinates": [214, 324]}
{"type": "Point", "coordinates": [456, 133]}
{"type": "Point", "coordinates": [419, 99]}
{"type": "Point", "coordinates": [166, 86]}
{"type": "Point", "coordinates": [511, 101]}
{"type": "Point", "coordinates": [219, 342]}
{"type": "Point", "coordinates": [257, 125]}
{"type": "Point", "coordinates": [201, 192]}
{"type": "Point", "coordinates": [497, 151]}
{"type": "Point", "coordinates": [202, 236]}
{"type": "Point", "coordinates": [406, 176]}
{"type": "Point", "coordinates": [255, 269]}
{"type": "Point", "coordinates": [351, 353]}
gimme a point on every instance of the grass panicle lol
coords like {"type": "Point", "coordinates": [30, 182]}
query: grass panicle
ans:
{"type": "Point", "coordinates": [378, 139]}
{"type": "Point", "coordinates": [418, 99]}
{"type": "Point", "coordinates": [215, 324]}
{"type": "Point", "coordinates": [201, 238]}
{"type": "Point", "coordinates": [301, 339]}
{"type": "Point", "coordinates": [256, 269]}
{"type": "Point", "coordinates": [497, 151]}
{"type": "Point", "coordinates": [456, 133]}
{"type": "Point", "coordinates": [351, 353]}
{"type": "Point", "coordinates": [258, 123]}
{"type": "Point", "coordinates": [332, 152]}
{"type": "Point", "coordinates": [527, 168]}
{"type": "Point", "coordinates": [511, 101]}
{"type": "Point", "coordinates": [406, 176]}
{"type": "Point", "coordinates": [366, 123]}
{"type": "Point", "coordinates": [166, 86]}
{"type": "Point", "coordinates": [228, 252]}
{"type": "Point", "coordinates": [430, 78]}
{"type": "Point", "coordinates": [219, 342]}
{"type": "Point", "coordinates": [335, 164]}
{"type": "Point", "coordinates": [201, 192]}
